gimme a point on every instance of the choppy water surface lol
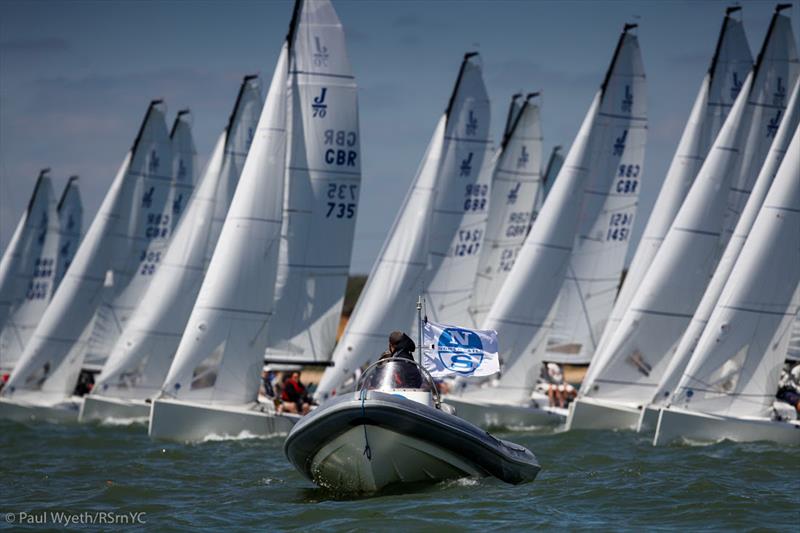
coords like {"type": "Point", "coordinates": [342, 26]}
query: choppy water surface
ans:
{"type": "Point", "coordinates": [596, 479]}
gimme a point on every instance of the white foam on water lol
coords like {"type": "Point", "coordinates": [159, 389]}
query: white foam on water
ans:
{"type": "Point", "coordinates": [112, 421]}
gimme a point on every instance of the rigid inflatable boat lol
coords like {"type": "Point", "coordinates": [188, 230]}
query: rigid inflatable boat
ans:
{"type": "Point", "coordinates": [395, 429]}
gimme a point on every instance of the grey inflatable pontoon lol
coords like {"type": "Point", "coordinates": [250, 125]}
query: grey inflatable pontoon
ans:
{"type": "Point", "coordinates": [395, 430]}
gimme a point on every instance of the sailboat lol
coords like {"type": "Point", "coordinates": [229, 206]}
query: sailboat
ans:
{"type": "Point", "coordinates": [729, 66]}
{"type": "Point", "coordinates": [140, 359]}
{"type": "Point", "coordinates": [43, 381]}
{"type": "Point", "coordinates": [49, 255]}
{"type": "Point", "coordinates": [165, 201]}
{"type": "Point", "coordinates": [584, 222]}
{"type": "Point", "coordinates": [515, 186]}
{"type": "Point", "coordinates": [212, 386]}
{"type": "Point", "coordinates": [23, 278]}
{"type": "Point", "coordinates": [728, 388]}
{"type": "Point", "coordinates": [687, 344]}
{"type": "Point", "coordinates": [446, 191]}
{"type": "Point", "coordinates": [625, 373]}
{"type": "Point", "coordinates": [323, 182]}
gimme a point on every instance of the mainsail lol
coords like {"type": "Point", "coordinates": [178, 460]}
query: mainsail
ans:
{"type": "Point", "coordinates": [730, 64]}
{"type": "Point", "coordinates": [515, 186]}
{"type": "Point", "coordinates": [735, 369]}
{"type": "Point", "coordinates": [48, 368]}
{"type": "Point", "coordinates": [461, 202]}
{"type": "Point", "coordinates": [691, 336]}
{"type": "Point", "coordinates": [323, 181]}
{"type": "Point", "coordinates": [70, 217]}
{"type": "Point", "coordinates": [635, 357]}
{"type": "Point", "coordinates": [221, 351]}
{"type": "Point", "coordinates": [587, 213]}
{"type": "Point", "coordinates": [29, 271]}
{"type": "Point", "coordinates": [139, 361]}
{"type": "Point", "coordinates": [164, 192]}
{"type": "Point", "coordinates": [402, 268]}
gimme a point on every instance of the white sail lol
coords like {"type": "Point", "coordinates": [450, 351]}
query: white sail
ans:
{"type": "Point", "coordinates": [602, 170]}
{"type": "Point", "coordinates": [691, 336]}
{"type": "Point", "coordinates": [398, 276]}
{"type": "Point", "coordinates": [184, 163]}
{"type": "Point", "coordinates": [736, 366]}
{"type": "Point", "coordinates": [51, 362]}
{"type": "Point", "coordinates": [730, 64]}
{"type": "Point", "coordinates": [141, 357]}
{"type": "Point", "coordinates": [221, 351]}
{"type": "Point", "coordinates": [793, 352]}
{"type": "Point", "coordinates": [461, 203]}
{"type": "Point", "coordinates": [30, 288]}
{"type": "Point", "coordinates": [549, 175]}
{"type": "Point", "coordinates": [322, 190]}
{"type": "Point", "coordinates": [171, 181]}
{"type": "Point", "coordinates": [636, 356]}
{"type": "Point", "coordinates": [70, 216]}
{"type": "Point", "coordinates": [515, 185]}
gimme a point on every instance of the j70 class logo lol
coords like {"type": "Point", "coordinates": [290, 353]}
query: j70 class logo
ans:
{"type": "Point", "coordinates": [522, 161]}
{"type": "Point", "coordinates": [154, 162]}
{"type": "Point", "coordinates": [147, 198]}
{"type": "Point", "coordinates": [460, 350]}
{"type": "Point", "coordinates": [318, 106]}
{"type": "Point", "coordinates": [736, 86]}
{"type": "Point", "coordinates": [472, 124]}
{"type": "Point", "coordinates": [627, 100]}
{"type": "Point", "coordinates": [466, 166]}
{"type": "Point", "coordinates": [320, 54]}
{"type": "Point", "coordinates": [779, 96]}
{"type": "Point", "coordinates": [513, 194]}
{"type": "Point", "coordinates": [773, 124]}
{"type": "Point", "coordinates": [619, 144]}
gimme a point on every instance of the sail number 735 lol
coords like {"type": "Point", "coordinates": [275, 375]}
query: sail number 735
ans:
{"type": "Point", "coordinates": [342, 200]}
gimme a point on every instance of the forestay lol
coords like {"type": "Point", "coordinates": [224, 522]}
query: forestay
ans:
{"type": "Point", "coordinates": [604, 161]}
{"type": "Point", "coordinates": [31, 274]}
{"type": "Point", "coordinates": [323, 180]}
{"type": "Point", "coordinates": [692, 334]}
{"type": "Point", "coordinates": [515, 185]}
{"type": "Point", "coordinates": [461, 202]}
{"type": "Point", "coordinates": [633, 361]}
{"type": "Point", "coordinates": [221, 351]}
{"type": "Point", "coordinates": [730, 64]}
{"type": "Point", "coordinates": [164, 192]}
{"type": "Point", "coordinates": [736, 366]}
{"type": "Point", "coordinates": [51, 362]}
{"type": "Point", "coordinates": [398, 276]}
{"type": "Point", "coordinates": [141, 357]}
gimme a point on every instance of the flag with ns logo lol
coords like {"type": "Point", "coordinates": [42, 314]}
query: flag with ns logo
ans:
{"type": "Point", "coordinates": [454, 351]}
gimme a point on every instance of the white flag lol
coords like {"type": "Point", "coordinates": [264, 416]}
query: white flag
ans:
{"type": "Point", "coordinates": [454, 351]}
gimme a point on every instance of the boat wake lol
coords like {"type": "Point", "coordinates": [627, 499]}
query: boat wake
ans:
{"type": "Point", "coordinates": [114, 422]}
{"type": "Point", "coordinates": [243, 435]}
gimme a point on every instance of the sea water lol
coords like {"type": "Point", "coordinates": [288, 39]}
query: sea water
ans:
{"type": "Point", "coordinates": [104, 477]}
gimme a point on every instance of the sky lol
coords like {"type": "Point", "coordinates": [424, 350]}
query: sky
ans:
{"type": "Point", "coordinates": [76, 78]}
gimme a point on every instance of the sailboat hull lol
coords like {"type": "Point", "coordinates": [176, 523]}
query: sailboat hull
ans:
{"type": "Point", "coordinates": [22, 411]}
{"type": "Point", "coordinates": [648, 419]}
{"type": "Point", "coordinates": [506, 415]}
{"type": "Point", "coordinates": [585, 413]}
{"type": "Point", "coordinates": [193, 422]}
{"type": "Point", "coordinates": [363, 445]}
{"type": "Point", "coordinates": [100, 408]}
{"type": "Point", "coordinates": [675, 424]}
